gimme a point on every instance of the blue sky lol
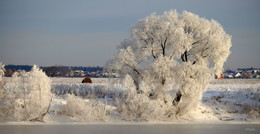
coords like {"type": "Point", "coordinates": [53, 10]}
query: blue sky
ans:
{"type": "Point", "coordinates": [87, 32]}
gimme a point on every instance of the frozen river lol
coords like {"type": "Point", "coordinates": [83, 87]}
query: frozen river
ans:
{"type": "Point", "coordinates": [132, 129]}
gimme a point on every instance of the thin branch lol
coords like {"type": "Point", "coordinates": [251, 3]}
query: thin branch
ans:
{"type": "Point", "coordinates": [171, 56]}
{"type": "Point", "coordinates": [165, 41]}
{"type": "Point", "coordinates": [145, 41]}
{"type": "Point", "coordinates": [134, 69]}
{"type": "Point", "coordinates": [182, 58]}
{"type": "Point", "coordinates": [137, 71]}
{"type": "Point", "coordinates": [153, 54]}
{"type": "Point", "coordinates": [196, 42]}
{"type": "Point", "coordinates": [205, 48]}
{"type": "Point", "coordinates": [163, 49]}
{"type": "Point", "coordinates": [163, 45]}
{"type": "Point", "coordinates": [186, 57]}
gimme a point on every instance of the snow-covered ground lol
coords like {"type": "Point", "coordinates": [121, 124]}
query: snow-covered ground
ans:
{"type": "Point", "coordinates": [233, 100]}
{"type": "Point", "coordinates": [226, 100]}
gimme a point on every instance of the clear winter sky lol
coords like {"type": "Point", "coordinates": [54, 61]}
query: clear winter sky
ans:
{"type": "Point", "coordinates": [87, 32]}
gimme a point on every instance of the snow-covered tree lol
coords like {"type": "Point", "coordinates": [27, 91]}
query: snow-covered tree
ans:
{"type": "Point", "coordinates": [2, 69]}
{"type": "Point", "coordinates": [29, 94]}
{"type": "Point", "coordinates": [173, 51]}
{"type": "Point", "coordinates": [2, 72]}
{"type": "Point", "coordinates": [3, 107]}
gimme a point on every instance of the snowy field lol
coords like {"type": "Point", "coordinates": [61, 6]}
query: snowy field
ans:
{"type": "Point", "coordinates": [226, 100]}
{"type": "Point", "coordinates": [228, 106]}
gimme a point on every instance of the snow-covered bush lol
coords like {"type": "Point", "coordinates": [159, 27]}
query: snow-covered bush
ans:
{"type": "Point", "coordinates": [134, 106]}
{"type": "Point", "coordinates": [86, 90]}
{"type": "Point", "coordinates": [2, 70]}
{"type": "Point", "coordinates": [173, 51]}
{"type": "Point", "coordinates": [85, 110]}
{"type": "Point", "coordinates": [3, 106]}
{"type": "Point", "coordinates": [29, 95]}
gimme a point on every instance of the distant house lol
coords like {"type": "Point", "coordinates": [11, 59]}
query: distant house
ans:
{"type": "Point", "coordinates": [227, 75]}
{"type": "Point", "coordinates": [256, 75]}
{"type": "Point", "coordinates": [256, 71]}
{"type": "Point", "coordinates": [9, 73]}
{"type": "Point", "coordinates": [237, 75]}
{"type": "Point", "coordinates": [76, 73]}
{"type": "Point", "coordinates": [247, 75]}
{"type": "Point", "coordinates": [221, 76]}
{"type": "Point", "coordinates": [79, 73]}
{"type": "Point", "coordinates": [71, 73]}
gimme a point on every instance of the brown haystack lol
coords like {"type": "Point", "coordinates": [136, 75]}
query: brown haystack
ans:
{"type": "Point", "coordinates": [87, 80]}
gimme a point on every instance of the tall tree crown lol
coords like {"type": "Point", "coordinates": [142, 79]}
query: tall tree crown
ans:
{"type": "Point", "coordinates": [173, 52]}
{"type": "Point", "coordinates": [180, 37]}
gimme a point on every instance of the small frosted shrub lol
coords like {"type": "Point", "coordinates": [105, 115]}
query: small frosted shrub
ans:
{"type": "Point", "coordinates": [29, 95]}
{"type": "Point", "coordinates": [3, 106]}
{"type": "Point", "coordinates": [80, 109]}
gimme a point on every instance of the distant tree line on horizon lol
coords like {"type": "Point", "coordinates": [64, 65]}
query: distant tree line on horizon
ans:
{"type": "Point", "coordinates": [52, 71]}
{"type": "Point", "coordinates": [63, 71]}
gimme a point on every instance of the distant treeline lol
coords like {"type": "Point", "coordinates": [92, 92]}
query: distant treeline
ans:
{"type": "Point", "coordinates": [87, 69]}
{"type": "Point", "coordinates": [29, 67]}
